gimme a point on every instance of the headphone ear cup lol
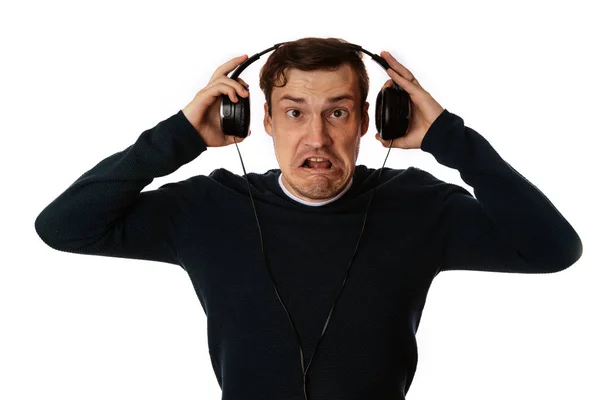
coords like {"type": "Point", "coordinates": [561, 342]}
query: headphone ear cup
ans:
{"type": "Point", "coordinates": [242, 116]}
{"type": "Point", "coordinates": [235, 117]}
{"type": "Point", "coordinates": [392, 112]}
{"type": "Point", "coordinates": [378, 122]}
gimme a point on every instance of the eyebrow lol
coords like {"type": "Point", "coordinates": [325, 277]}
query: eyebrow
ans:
{"type": "Point", "coordinates": [335, 99]}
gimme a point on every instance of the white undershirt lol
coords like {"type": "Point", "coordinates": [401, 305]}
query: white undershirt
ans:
{"type": "Point", "coordinates": [320, 203]}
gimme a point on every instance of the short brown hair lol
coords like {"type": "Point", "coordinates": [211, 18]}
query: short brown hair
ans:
{"type": "Point", "coordinates": [309, 54]}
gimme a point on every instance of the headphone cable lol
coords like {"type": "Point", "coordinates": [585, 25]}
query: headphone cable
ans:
{"type": "Point", "coordinates": [305, 370]}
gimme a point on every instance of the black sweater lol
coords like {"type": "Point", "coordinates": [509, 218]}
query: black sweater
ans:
{"type": "Point", "coordinates": [417, 226]}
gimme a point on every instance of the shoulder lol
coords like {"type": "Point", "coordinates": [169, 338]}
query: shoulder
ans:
{"type": "Point", "coordinates": [411, 176]}
{"type": "Point", "coordinates": [198, 184]}
{"type": "Point", "coordinates": [224, 181]}
{"type": "Point", "coordinates": [261, 181]}
{"type": "Point", "coordinates": [410, 183]}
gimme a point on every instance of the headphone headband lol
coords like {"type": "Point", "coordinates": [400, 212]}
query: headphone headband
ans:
{"type": "Point", "coordinates": [255, 57]}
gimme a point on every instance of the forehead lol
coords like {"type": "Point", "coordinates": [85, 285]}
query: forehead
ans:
{"type": "Point", "coordinates": [317, 83]}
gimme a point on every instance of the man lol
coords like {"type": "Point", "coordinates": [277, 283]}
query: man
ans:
{"type": "Point", "coordinates": [310, 214]}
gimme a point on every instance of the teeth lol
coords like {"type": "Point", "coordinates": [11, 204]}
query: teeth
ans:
{"type": "Point", "coordinates": [316, 159]}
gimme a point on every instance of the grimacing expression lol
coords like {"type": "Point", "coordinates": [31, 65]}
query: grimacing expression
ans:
{"type": "Point", "coordinates": [316, 126]}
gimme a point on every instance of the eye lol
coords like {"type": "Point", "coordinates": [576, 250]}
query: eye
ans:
{"type": "Point", "coordinates": [342, 110]}
{"type": "Point", "coordinates": [291, 110]}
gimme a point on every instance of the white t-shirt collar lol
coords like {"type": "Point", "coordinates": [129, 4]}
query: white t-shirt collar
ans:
{"type": "Point", "coordinates": [320, 203]}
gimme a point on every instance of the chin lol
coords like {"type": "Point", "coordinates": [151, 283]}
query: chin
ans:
{"type": "Point", "coordinates": [317, 185]}
{"type": "Point", "coordinates": [317, 192]}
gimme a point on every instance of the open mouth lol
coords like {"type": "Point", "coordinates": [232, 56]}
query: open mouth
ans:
{"type": "Point", "coordinates": [317, 163]}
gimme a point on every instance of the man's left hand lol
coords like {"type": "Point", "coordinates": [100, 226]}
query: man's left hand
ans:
{"type": "Point", "coordinates": [424, 108]}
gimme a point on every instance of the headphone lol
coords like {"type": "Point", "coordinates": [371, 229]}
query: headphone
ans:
{"type": "Point", "coordinates": [392, 108]}
{"type": "Point", "coordinates": [392, 119]}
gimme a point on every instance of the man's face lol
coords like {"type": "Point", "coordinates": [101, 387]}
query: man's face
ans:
{"type": "Point", "coordinates": [309, 122]}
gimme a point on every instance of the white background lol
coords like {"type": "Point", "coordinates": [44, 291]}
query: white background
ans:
{"type": "Point", "coordinates": [82, 80]}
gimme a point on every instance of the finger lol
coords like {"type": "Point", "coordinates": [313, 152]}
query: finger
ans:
{"type": "Point", "coordinates": [229, 66]}
{"type": "Point", "coordinates": [239, 87]}
{"type": "Point", "coordinates": [243, 82]}
{"type": "Point", "coordinates": [232, 139]}
{"type": "Point", "coordinates": [396, 66]}
{"type": "Point", "coordinates": [223, 88]}
{"type": "Point", "coordinates": [229, 88]}
{"type": "Point", "coordinates": [398, 142]}
{"type": "Point", "coordinates": [388, 83]}
{"type": "Point", "coordinates": [404, 83]}
{"type": "Point", "coordinates": [380, 139]}
{"type": "Point", "coordinates": [385, 143]}
{"type": "Point", "coordinates": [243, 86]}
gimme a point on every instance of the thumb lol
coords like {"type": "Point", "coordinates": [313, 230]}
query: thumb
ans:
{"type": "Point", "coordinates": [385, 143]}
{"type": "Point", "coordinates": [232, 139]}
{"type": "Point", "coordinates": [398, 143]}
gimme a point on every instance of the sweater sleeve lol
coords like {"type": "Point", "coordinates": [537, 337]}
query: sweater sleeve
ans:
{"type": "Point", "coordinates": [104, 212]}
{"type": "Point", "coordinates": [510, 226]}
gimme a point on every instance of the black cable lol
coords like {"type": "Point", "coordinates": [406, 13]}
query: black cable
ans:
{"type": "Point", "coordinates": [305, 370]}
{"type": "Point", "coordinates": [262, 248]}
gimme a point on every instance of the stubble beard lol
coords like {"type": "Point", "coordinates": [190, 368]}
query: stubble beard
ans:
{"type": "Point", "coordinates": [318, 188]}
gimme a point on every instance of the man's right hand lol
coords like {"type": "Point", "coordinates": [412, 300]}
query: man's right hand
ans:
{"type": "Point", "coordinates": [203, 111]}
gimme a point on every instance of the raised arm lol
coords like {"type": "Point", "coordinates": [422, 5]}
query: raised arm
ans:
{"type": "Point", "coordinates": [104, 212]}
{"type": "Point", "coordinates": [510, 226]}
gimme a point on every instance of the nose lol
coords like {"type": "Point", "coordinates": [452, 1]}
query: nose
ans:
{"type": "Point", "coordinates": [317, 135]}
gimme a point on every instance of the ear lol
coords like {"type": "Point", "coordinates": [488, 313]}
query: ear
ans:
{"type": "Point", "coordinates": [267, 121]}
{"type": "Point", "coordinates": [365, 120]}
